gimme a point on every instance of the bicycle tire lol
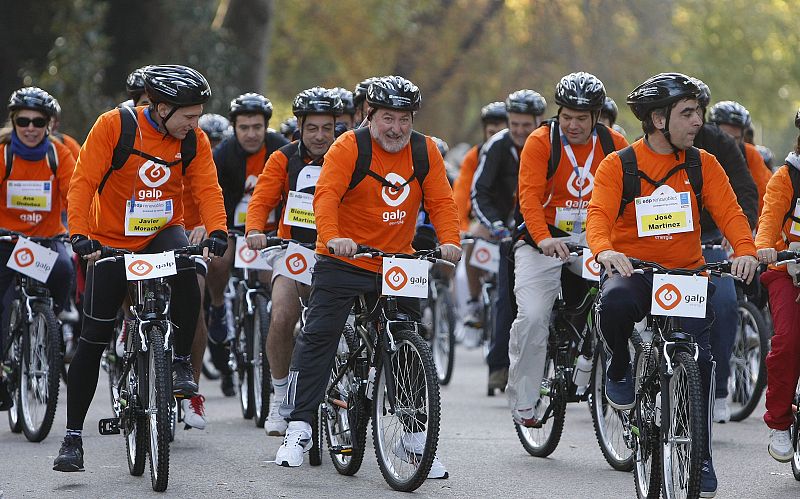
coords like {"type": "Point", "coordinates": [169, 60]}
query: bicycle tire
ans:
{"type": "Point", "coordinates": [742, 398]}
{"type": "Point", "coordinates": [338, 423]}
{"type": "Point", "coordinates": [134, 422]}
{"type": "Point", "coordinates": [315, 452]}
{"type": "Point", "coordinates": [443, 337]}
{"type": "Point", "coordinates": [688, 395]}
{"type": "Point", "coordinates": [414, 356]}
{"type": "Point", "coordinates": [14, 352]}
{"type": "Point", "coordinates": [46, 354]}
{"type": "Point", "coordinates": [796, 435]}
{"type": "Point", "coordinates": [244, 364]}
{"type": "Point", "coordinates": [541, 442]}
{"type": "Point", "coordinates": [262, 379]}
{"type": "Point", "coordinates": [14, 419]}
{"type": "Point", "coordinates": [160, 409]}
{"type": "Point", "coordinates": [607, 421]}
{"type": "Point", "coordinates": [645, 426]}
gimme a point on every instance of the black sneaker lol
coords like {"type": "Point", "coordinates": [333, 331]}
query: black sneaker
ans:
{"type": "Point", "coordinates": [183, 379]}
{"type": "Point", "coordinates": [227, 385]}
{"type": "Point", "coordinates": [708, 479]}
{"type": "Point", "coordinates": [70, 457]}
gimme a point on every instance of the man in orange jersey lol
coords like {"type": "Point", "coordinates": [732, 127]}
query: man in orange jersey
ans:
{"type": "Point", "coordinates": [137, 207]}
{"type": "Point", "coordinates": [239, 159]}
{"type": "Point", "coordinates": [353, 207]}
{"type": "Point", "coordinates": [617, 228]}
{"type": "Point", "coordinates": [553, 200]}
{"type": "Point", "coordinates": [289, 179]}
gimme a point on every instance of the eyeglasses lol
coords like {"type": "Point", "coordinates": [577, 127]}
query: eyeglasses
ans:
{"type": "Point", "coordinates": [37, 122]}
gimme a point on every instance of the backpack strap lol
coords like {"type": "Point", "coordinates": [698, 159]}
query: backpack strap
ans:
{"type": "Point", "coordinates": [606, 141]}
{"type": "Point", "coordinates": [52, 158]}
{"type": "Point", "coordinates": [794, 176]}
{"type": "Point", "coordinates": [188, 150]}
{"type": "Point", "coordinates": [364, 144]}
{"type": "Point", "coordinates": [9, 159]}
{"type": "Point", "coordinates": [631, 185]}
{"type": "Point", "coordinates": [694, 170]}
{"type": "Point", "coordinates": [555, 148]}
{"type": "Point", "coordinates": [419, 157]}
{"type": "Point", "coordinates": [124, 147]}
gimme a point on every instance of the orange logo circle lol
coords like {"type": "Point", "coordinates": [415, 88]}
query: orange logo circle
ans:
{"type": "Point", "coordinates": [483, 255]}
{"type": "Point", "coordinates": [396, 278]}
{"type": "Point", "coordinates": [24, 257]}
{"type": "Point", "coordinates": [296, 263]}
{"type": "Point", "coordinates": [246, 254]}
{"type": "Point", "coordinates": [592, 266]}
{"type": "Point", "coordinates": [668, 296]}
{"type": "Point", "coordinates": [140, 268]}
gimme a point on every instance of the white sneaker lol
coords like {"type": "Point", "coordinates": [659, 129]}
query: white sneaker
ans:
{"type": "Point", "coordinates": [194, 412]}
{"type": "Point", "coordinates": [295, 443]}
{"type": "Point", "coordinates": [275, 425]}
{"type": "Point", "coordinates": [410, 447]}
{"type": "Point", "coordinates": [780, 445]}
{"type": "Point", "coordinates": [722, 413]}
{"type": "Point", "coordinates": [472, 336]}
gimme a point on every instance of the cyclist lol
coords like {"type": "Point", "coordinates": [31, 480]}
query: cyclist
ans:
{"type": "Point", "coordinates": [239, 161]}
{"type": "Point", "coordinates": [553, 202]}
{"type": "Point", "coordinates": [493, 202]}
{"type": "Point", "coordinates": [134, 86]}
{"type": "Point", "coordinates": [608, 116]}
{"type": "Point", "coordinates": [360, 100]}
{"type": "Point", "coordinates": [215, 126]}
{"type": "Point", "coordinates": [367, 214]}
{"type": "Point", "coordinates": [667, 106]}
{"type": "Point", "coordinates": [288, 128]}
{"type": "Point", "coordinates": [779, 222]}
{"type": "Point", "coordinates": [32, 165]}
{"type": "Point", "coordinates": [104, 213]}
{"type": "Point", "coordinates": [294, 170]}
{"type": "Point", "coordinates": [348, 115]}
{"type": "Point", "coordinates": [69, 141]}
{"type": "Point", "coordinates": [768, 156]}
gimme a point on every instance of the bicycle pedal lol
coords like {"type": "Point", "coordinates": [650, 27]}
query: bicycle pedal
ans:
{"type": "Point", "coordinates": [109, 426]}
{"type": "Point", "coordinates": [339, 449]}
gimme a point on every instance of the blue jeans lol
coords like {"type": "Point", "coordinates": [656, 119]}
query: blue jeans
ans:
{"type": "Point", "coordinates": [726, 318]}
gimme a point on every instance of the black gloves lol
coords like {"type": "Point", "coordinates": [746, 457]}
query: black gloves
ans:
{"type": "Point", "coordinates": [84, 246]}
{"type": "Point", "coordinates": [216, 243]}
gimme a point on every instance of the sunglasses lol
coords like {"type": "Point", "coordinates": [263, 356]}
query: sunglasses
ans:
{"type": "Point", "coordinates": [37, 122]}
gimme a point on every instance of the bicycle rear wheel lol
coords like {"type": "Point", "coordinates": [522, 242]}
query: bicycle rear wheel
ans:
{"type": "Point", "coordinates": [609, 423]}
{"type": "Point", "coordinates": [159, 409]}
{"type": "Point", "coordinates": [262, 380]}
{"type": "Point", "coordinates": [40, 374]}
{"type": "Point", "coordinates": [645, 425]}
{"type": "Point", "coordinates": [541, 442]}
{"type": "Point", "coordinates": [748, 367]}
{"type": "Point", "coordinates": [686, 429]}
{"type": "Point", "coordinates": [796, 435]}
{"type": "Point", "coordinates": [244, 365]}
{"type": "Point", "coordinates": [406, 438]}
{"type": "Point", "coordinates": [443, 339]}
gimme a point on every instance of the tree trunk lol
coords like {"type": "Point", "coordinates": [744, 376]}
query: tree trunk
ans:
{"type": "Point", "coordinates": [248, 28]}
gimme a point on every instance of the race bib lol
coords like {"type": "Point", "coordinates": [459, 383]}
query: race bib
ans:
{"type": "Point", "coordinates": [298, 263]}
{"type": "Point", "coordinates": [795, 227]}
{"type": "Point", "coordinates": [571, 219]}
{"type": "Point", "coordinates": [31, 195]}
{"type": "Point", "coordinates": [485, 256]}
{"type": "Point", "coordinates": [245, 258]}
{"type": "Point", "coordinates": [679, 295]}
{"type": "Point", "coordinates": [240, 213]}
{"type": "Point", "coordinates": [150, 266]}
{"type": "Point", "coordinates": [664, 212]}
{"type": "Point", "coordinates": [32, 260]}
{"type": "Point", "coordinates": [404, 277]}
{"type": "Point", "coordinates": [144, 218]}
{"type": "Point", "coordinates": [299, 210]}
{"type": "Point", "coordinates": [590, 270]}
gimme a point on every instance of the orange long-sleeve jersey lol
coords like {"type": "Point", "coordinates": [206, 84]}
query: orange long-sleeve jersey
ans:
{"type": "Point", "coordinates": [562, 188]}
{"type": "Point", "coordinates": [37, 222]}
{"type": "Point", "coordinates": [607, 232]}
{"type": "Point", "coordinates": [772, 231]}
{"type": "Point", "coordinates": [73, 145]}
{"type": "Point", "coordinates": [462, 187]}
{"type": "Point", "coordinates": [102, 216]}
{"type": "Point", "coordinates": [758, 169]}
{"type": "Point", "coordinates": [375, 215]}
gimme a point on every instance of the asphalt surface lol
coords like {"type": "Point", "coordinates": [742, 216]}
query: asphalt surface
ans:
{"type": "Point", "coordinates": [478, 445]}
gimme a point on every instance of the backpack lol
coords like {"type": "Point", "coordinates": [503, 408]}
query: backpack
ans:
{"type": "Point", "coordinates": [419, 157]}
{"type": "Point", "coordinates": [52, 160]}
{"type": "Point", "coordinates": [631, 176]}
{"type": "Point", "coordinates": [127, 137]}
{"type": "Point", "coordinates": [794, 176]}
{"type": "Point", "coordinates": [606, 143]}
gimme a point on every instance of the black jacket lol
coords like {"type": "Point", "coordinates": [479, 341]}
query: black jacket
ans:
{"type": "Point", "coordinates": [494, 188]}
{"type": "Point", "coordinates": [231, 161]}
{"type": "Point", "coordinates": [730, 156]}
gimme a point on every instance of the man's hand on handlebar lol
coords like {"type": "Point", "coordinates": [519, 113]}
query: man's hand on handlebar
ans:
{"type": "Point", "coordinates": [197, 235]}
{"type": "Point", "coordinates": [256, 240]}
{"type": "Point", "coordinates": [88, 249]}
{"type": "Point", "coordinates": [744, 267]}
{"type": "Point", "coordinates": [614, 260]}
{"type": "Point", "coordinates": [554, 247]}
{"type": "Point", "coordinates": [767, 255]}
{"type": "Point", "coordinates": [342, 246]}
{"type": "Point", "coordinates": [450, 252]}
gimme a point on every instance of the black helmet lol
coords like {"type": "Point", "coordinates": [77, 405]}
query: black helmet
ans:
{"type": "Point", "coordinates": [215, 126]}
{"type": "Point", "coordinates": [288, 127]}
{"type": "Point", "coordinates": [360, 92]}
{"type": "Point", "coordinates": [766, 154]}
{"type": "Point", "coordinates": [660, 91]}
{"type": "Point", "coordinates": [610, 109]}
{"type": "Point", "coordinates": [526, 102]}
{"type": "Point", "coordinates": [394, 92]}
{"type": "Point", "coordinates": [32, 98]}
{"type": "Point", "coordinates": [580, 91]}
{"type": "Point", "coordinates": [177, 85]}
{"type": "Point", "coordinates": [704, 97]}
{"type": "Point", "coordinates": [730, 113]}
{"type": "Point", "coordinates": [347, 100]}
{"type": "Point", "coordinates": [250, 103]}
{"type": "Point", "coordinates": [56, 109]}
{"type": "Point", "coordinates": [317, 100]}
{"type": "Point", "coordinates": [134, 85]}
{"type": "Point", "coordinates": [797, 119]}
{"type": "Point", "coordinates": [441, 145]}
{"type": "Point", "coordinates": [494, 111]}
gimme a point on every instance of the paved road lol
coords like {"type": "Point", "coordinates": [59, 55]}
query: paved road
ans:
{"type": "Point", "coordinates": [478, 445]}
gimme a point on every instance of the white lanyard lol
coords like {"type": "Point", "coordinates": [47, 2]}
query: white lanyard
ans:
{"type": "Point", "coordinates": [587, 166]}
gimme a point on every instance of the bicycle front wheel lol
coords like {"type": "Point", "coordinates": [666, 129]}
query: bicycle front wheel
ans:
{"type": "Point", "coordinates": [796, 435]}
{"type": "Point", "coordinates": [134, 422]}
{"type": "Point", "coordinates": [407, 434]}
{"type": "Point", "coordinates": [40, 374]}
{"type": "Point", "coordinates": [262, 380]}
{"type": "Point", "coordinates": [748, 367]}
{"type": "Point", "coordinates": [609, 427]}
{"type": "Point", "coordinates": [15, 352]}
{"type": "Point", "coordinates": [159, 409]}
{"type": "Point", "coordinates": [645, 424]}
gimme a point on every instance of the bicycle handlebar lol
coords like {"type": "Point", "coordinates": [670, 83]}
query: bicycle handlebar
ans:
{"type": "Point", "coordinates": [107, 253]}
{"type": "Point", "coordinates": [10, 235]}
{"type": "Point", "coordinates": [433, 256]}
{"type": "Point", "coordinates": [717, 269]}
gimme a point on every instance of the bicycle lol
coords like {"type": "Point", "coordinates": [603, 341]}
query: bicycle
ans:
{"type": "Point", "coordinates": [143, 409]}
{"type": "Point", "coordinates": [34, 352]}
{"type": "Point", "coordinates": [440, 325]}
{"type": "Point", "coordinates": [383, 370]}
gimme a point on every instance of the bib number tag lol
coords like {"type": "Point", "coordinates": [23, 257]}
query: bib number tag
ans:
{"type": "Point", "coordinates": [571, 219]}
{"type": "Point", "coordinates": [240, 213]}
{"type": "Point", "coordinates": [299, 210]}
{"type": "Point", "coordinates": [144, 218]}
{"type": "Point", "coordinates": [664, 212]}
{"type": "Point", "coordinates": [485, 256]}
{"type": "Point", "coordinates": [590, 270]}
{"type": "Point", "coordinates": [32, 260]}
{"type": "Point", "coordinates": [794, 229]}
{"type": "Point", "coordinates": [404, 277]}
{"type": "Point", "coordinates": [245, 258]}
{"type": "Point", "coordinates": [29, 195]}
{"type": "Point", "coordinates": [298, 263]}
{"type": "Point", "coordinates": [150, 266]}
{"type": "Point", "coordinates": [679, 295]}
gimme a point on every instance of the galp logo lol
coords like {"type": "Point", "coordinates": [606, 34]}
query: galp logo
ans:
{"type": "Point", "coordinates": [246, 254]}
{"type": "Point", "coordinates": [24, 257]}
{"type": "Point", "coordinates": [140, 268]}
{"type": "Point", "coordinates": [296, 263]}
{"type": "Point", "coordinates": [592, 266]}
{"type": "Point", "coordinates": [483, 255]}
{"type": "Point", "coordinates": [668, 296]}
{"type": "Point", "coordinates": [153, 175]}
{"type": "Point", "coordinates": [395, 197]}
{"type": "Point", "coordinates": [396, 278]}
{"type": "Point", "coordinates": [576, 184]}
